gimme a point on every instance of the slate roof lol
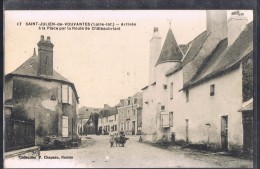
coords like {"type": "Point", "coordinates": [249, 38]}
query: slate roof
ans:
{"type": "Point", "coordinates": [184, 48]}
{"type": "Point", "coordinates": [218, 60]}
{"type": "Point", "coordinates": [85, 112]}
{"type": "Point", "coordinates": [170, 51]}
{"type": "Point", "coordinates": [108, 111]}
{"type": "Point", "coordinates": [224, 58]}
{"type": "Point", "coordinates": [195, 46]}
{"type": "Point", "coordinates": [30, 69]}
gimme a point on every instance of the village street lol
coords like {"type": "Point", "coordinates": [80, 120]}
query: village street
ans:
{"type": "Point", "coordinates": [95, 152]}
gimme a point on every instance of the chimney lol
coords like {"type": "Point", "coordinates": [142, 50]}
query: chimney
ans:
{"type": "Point", "coordinates": [236, 24]}
{"type": "Point", "coordinates": [106, 106]}
{"type": "Point", "coordinates": [217, 23]}
{"type": "Point", "coordinates": [122, 102]}
{"type": "Point", "coordinates": [45, 57]}
{"type": "Point", "coordinates": [155, 49]}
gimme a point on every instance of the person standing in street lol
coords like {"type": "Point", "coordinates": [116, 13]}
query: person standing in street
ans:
{"type": "Point", "coordinates": [116, 139]}
{"type": "Point", "coordinates": [112, 139]}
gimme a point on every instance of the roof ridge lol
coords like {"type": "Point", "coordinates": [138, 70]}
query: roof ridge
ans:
{"type": "Point", "coordinates": [200, 48]}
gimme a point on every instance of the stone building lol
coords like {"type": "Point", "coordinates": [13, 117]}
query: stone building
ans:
{"type": "Point", "coordinates": [197, 91]}
{"type": "Point", "coordinates": [130, 114]}
{"type": "Point", "coordinates": [108, 120]}
{"type": "Point", "coordinates": [35, 91]}
{"type": "Point", "coordinates": [87, 121]}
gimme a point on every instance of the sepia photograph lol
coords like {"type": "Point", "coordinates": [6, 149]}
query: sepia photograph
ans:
{"type": "Point", "coordinates": [128, 89]}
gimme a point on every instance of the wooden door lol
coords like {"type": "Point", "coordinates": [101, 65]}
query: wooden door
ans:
{"type": "Point", "coordinates": [224, 133]}
{"type": "Point", "coordinates": [133, 127]}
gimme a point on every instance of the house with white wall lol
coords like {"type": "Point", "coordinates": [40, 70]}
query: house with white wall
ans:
{"type": "Point", "coordinates": [108, 120]}
{"type": "Point", "coordinates": [197, 92]}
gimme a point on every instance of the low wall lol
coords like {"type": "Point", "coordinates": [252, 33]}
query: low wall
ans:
{"type": "Point", "coordinates": [31, 151]}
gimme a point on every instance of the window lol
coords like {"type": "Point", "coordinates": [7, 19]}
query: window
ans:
{"type": "Point", "coordinates": [187, 95]}
{"type": "Point", "coordinates": [171, 91]}
{"type": "Point", "coordinates": [129, 101]}
{"type": "Point", "coordinates": [122, 126]}
{"type": "Point", "coordinates": [65, 126]}
{"type": "Point", "coordinates": [165, 119]}
{"type": "Point", "coordinates": [115, 117]}
{"type": "Point", "coordinates": [165, 86]}
{"type": "Point", "coordinates": [135, 100]}
{"type": "Point", "coordinates": [212, 90]}
{"type": "Point", "coordinates": [127, 125]}
{"type": "Point", "coordinates": [162, 108]}
{"type": "Point", "coordinates": [66, 94]}
{"type": "Point", "coordinates": [128, 113]}
{"type": "Point", "coordinates": [134, 112]}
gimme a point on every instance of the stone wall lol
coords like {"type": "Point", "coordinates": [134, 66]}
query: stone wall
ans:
{"type": "Point", "coordinates": [34, 98]}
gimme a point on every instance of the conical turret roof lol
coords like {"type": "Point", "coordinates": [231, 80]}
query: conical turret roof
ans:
{"type": "Point", "coordinates": [170, 50]}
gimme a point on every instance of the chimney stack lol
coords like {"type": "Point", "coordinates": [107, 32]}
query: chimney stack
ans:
{"type": "Point", "coordinates": [106, 106]}
{"type": "Point", "coordinates": [48, 39]}
{"type": "Point", "coordinates": [45, 57]}
{"type": "Point", "coordinates": [236, 24]}
{"type": "Point", "coordinates": [217, 23]}
{"type": "Point", "coordinates": [155, 49]}
{"type": "Point", "coordinates": [122, 102]}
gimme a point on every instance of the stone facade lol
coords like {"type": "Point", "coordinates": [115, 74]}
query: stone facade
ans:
{"type": "Point", "coordinates": [129, 114]}
{"type": "Point", "coordinates": [46, 97]}
{"type": "Point", "coordinates": [108, 120]}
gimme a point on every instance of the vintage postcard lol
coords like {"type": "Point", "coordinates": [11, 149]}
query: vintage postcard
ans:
{"type": "Point", "coordinates": [128, 88]}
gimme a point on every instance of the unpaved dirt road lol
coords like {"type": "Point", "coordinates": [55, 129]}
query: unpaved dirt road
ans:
{"type": "Point", "coordinates": [95, 151]}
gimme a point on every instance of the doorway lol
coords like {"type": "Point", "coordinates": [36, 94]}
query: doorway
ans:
{"type": "Point", "coordinates": [224, 133]}
{"type": "Point", "coordinates": [133, 127]}
{"type": "Point", "coordinates": [248, 131]}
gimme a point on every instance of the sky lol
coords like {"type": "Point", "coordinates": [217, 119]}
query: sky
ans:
{"type": "Point", "coordinates": [104, 65]}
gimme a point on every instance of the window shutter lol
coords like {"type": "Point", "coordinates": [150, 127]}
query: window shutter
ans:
{"type": "Point", "coordinates": [65, 126]}
{"type": "Point", "coordinates": [165, 119]}
{"type": "Point", "coordinates": [64, 94]}
{"type": "Point", "coordinates": [171, 119]}
{"type": "Point", "coordinates": [70, 95]}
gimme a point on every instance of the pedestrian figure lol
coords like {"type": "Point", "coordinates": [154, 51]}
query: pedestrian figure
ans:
{"type": "Point", "coordinates": [116, 139]}
{"type": "Point", "coordinates": [112, 139]}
